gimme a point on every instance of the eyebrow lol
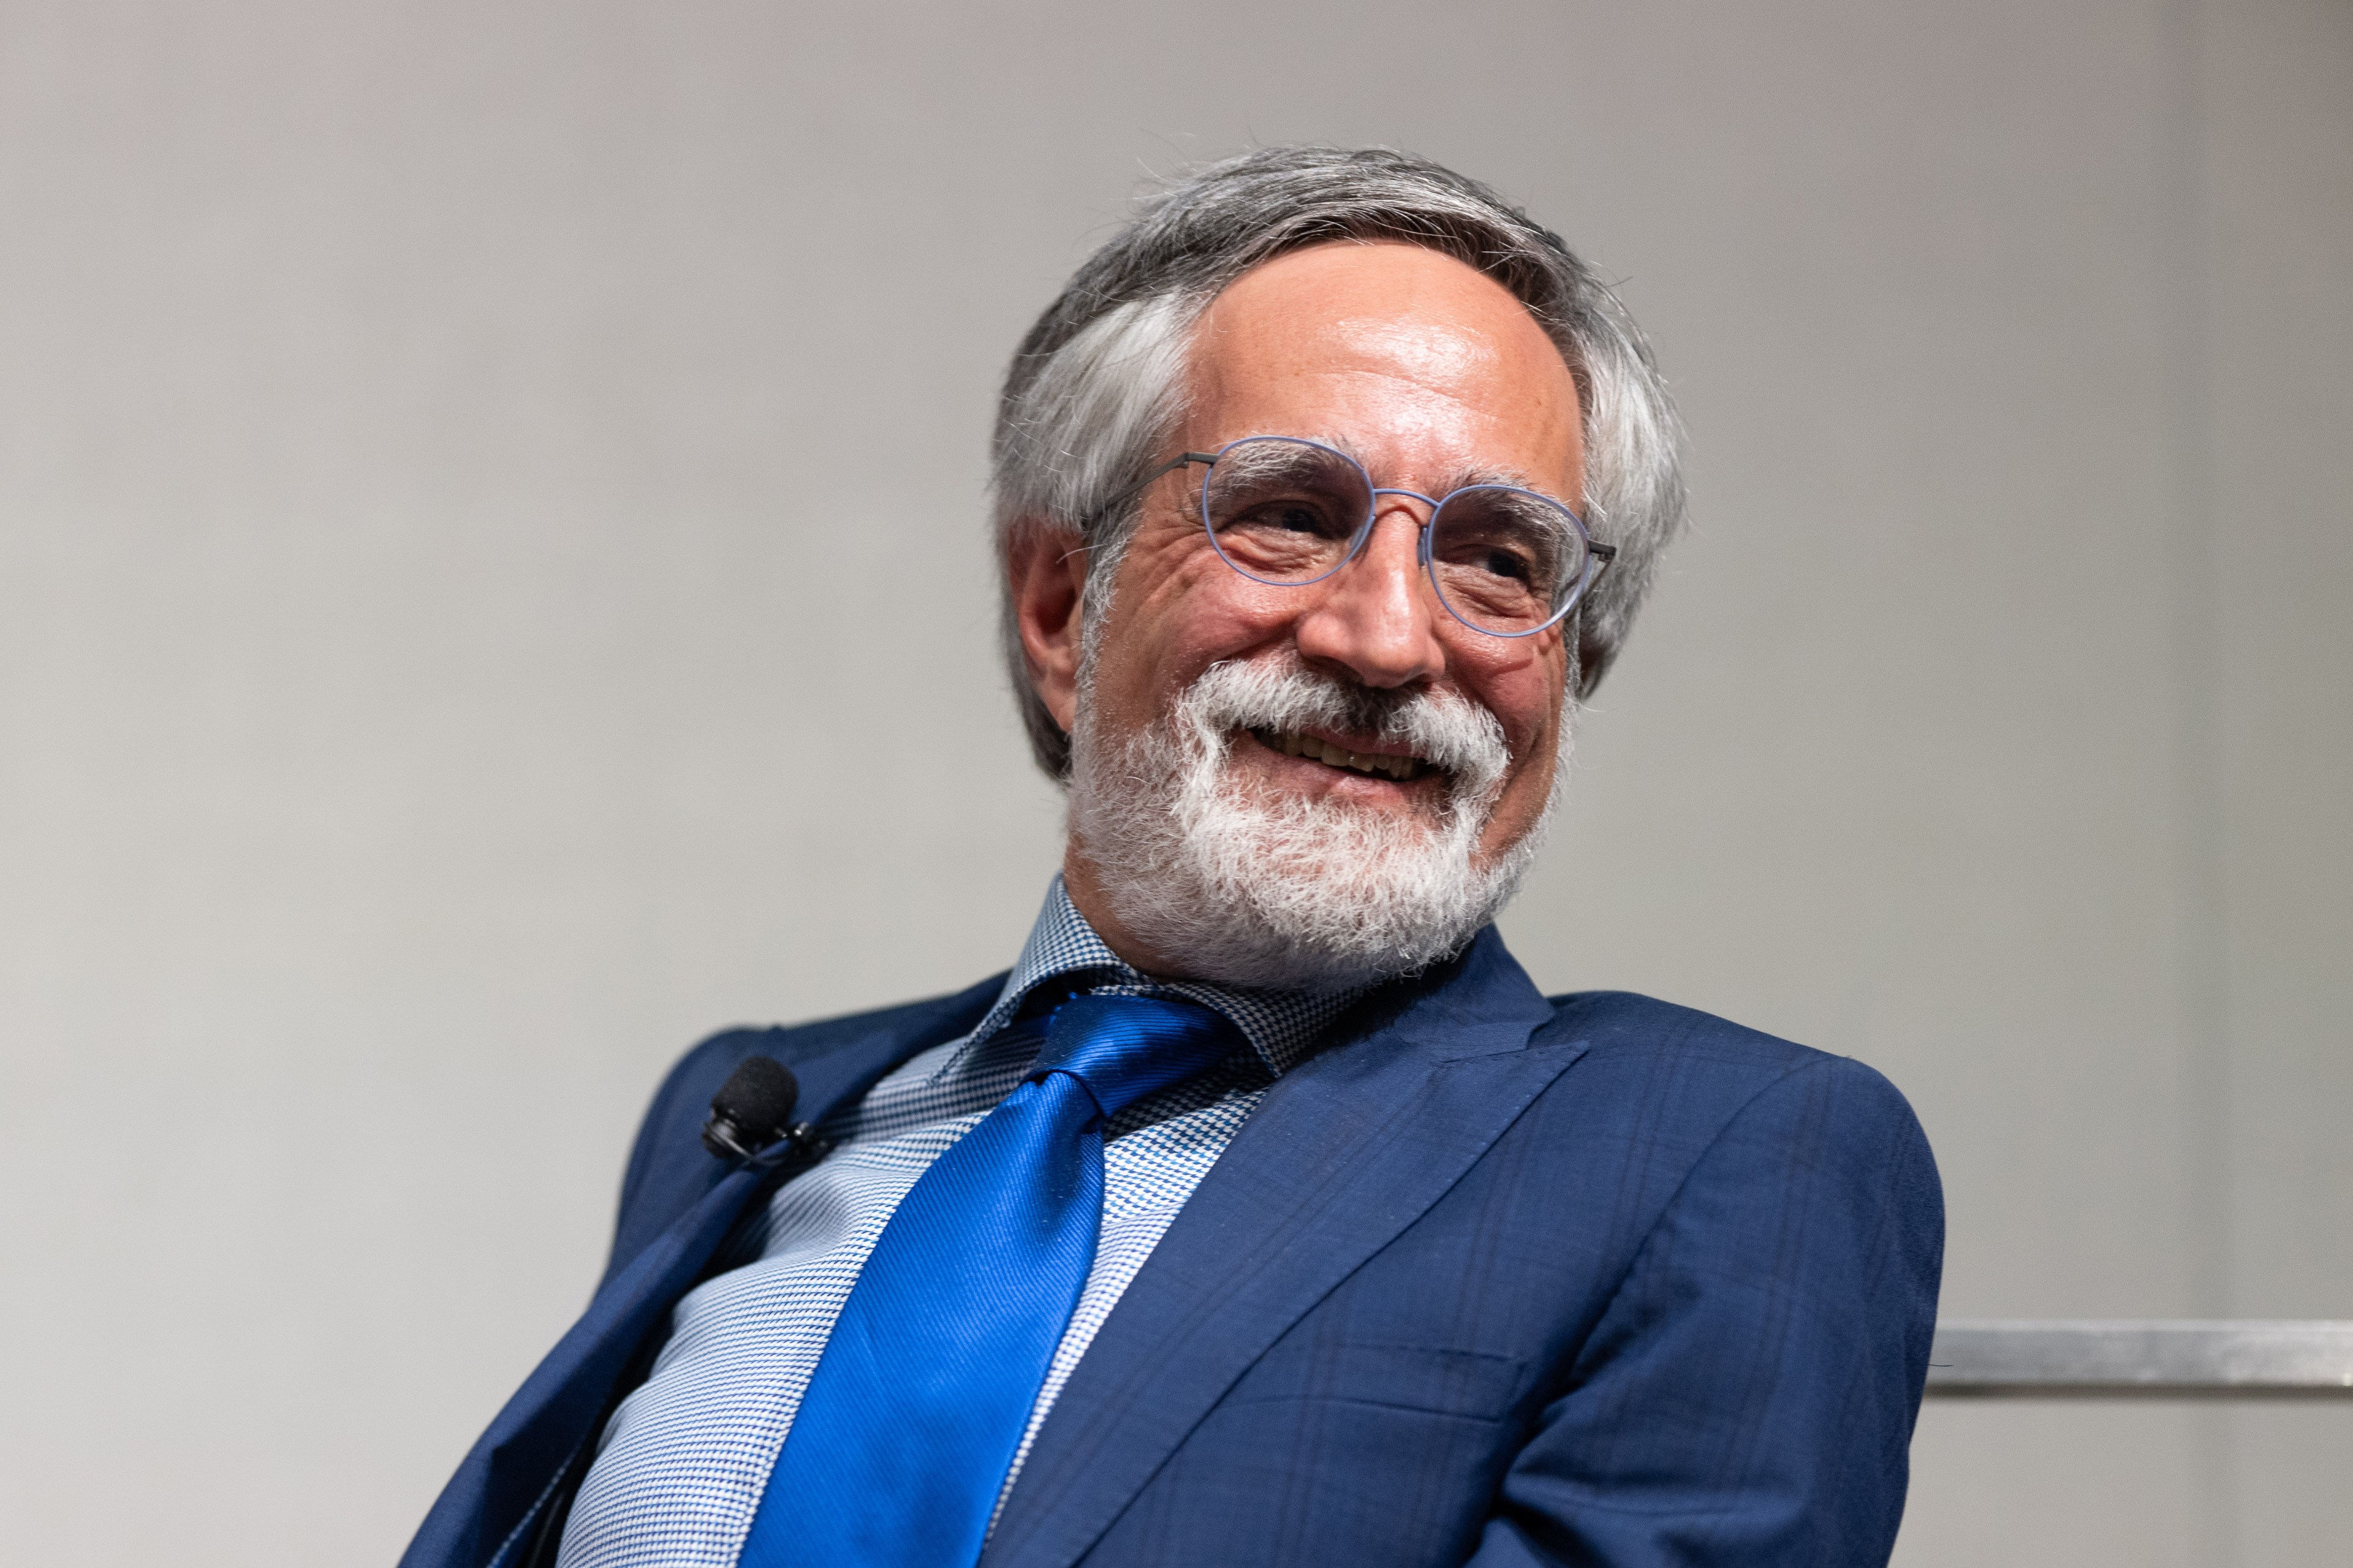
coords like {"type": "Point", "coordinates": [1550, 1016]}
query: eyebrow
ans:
{"type": "Point", "coordinates": [1461, 478]}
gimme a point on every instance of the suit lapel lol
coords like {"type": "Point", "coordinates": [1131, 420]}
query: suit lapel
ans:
{"type": "Point", "coordinates": [1344, 1153]}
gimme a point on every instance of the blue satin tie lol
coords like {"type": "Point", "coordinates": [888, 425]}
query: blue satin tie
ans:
{"type": "Point", "coordinates": [916, 1408]}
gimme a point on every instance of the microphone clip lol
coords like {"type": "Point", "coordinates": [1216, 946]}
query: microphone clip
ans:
{"type": "Point", "coordinates": [752, 1117]}
{"type": "Point", "coordinates": [727, 1140]}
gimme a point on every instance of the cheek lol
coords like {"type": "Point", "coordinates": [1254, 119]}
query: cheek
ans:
{"type": "Point", "coordinates": [1525, 692]}
{"type": "Point", "coordinates": [1167, 626]}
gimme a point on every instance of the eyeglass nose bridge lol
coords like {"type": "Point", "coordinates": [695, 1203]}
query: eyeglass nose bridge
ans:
{"type": "Point", "coordinates": [1423, 528]}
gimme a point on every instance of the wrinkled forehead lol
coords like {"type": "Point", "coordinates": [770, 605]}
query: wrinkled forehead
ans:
{"type": "Point", "coordinates": [1426, 370]}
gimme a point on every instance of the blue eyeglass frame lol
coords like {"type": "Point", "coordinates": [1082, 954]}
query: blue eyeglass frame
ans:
{"type": "Point", "coordinates": [1597, 555]}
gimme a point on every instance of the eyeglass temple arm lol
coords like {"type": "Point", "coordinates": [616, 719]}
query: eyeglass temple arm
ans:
{"type": "Point", "coordinates": [1175, 463]}
{"type": "Point", "coordinates": [1142, 485]}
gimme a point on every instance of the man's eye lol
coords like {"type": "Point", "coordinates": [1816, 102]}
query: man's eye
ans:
{"type": "Point", "coordinates": [1288, 517]}
{"type": "Point", "coordinates": [1505, 563]}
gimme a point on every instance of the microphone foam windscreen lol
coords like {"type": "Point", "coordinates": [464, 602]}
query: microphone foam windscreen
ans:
{"type": "Point", "coordinates": [759, 1097]}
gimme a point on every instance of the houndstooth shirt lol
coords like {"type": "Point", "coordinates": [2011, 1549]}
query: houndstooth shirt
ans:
{"type": "Point", "coordinates": [680, 1469]}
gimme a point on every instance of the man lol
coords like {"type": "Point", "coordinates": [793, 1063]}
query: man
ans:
{"type": "Point", "coordinates": [1265, 1212]}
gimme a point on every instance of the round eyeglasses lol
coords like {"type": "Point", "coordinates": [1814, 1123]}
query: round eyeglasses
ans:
{"type": "Point", "coordinates": [1282, 509]}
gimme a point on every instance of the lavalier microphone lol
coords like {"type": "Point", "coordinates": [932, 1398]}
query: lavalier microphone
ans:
{"type": "Point", "coordinates": [754, 1110]}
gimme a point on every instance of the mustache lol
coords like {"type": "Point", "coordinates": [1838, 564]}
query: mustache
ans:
{"type": "Point", "coordinates": [1444, 729]}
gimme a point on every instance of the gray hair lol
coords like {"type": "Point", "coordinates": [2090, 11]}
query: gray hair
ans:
{"type": "Point", "coordinates": [1097, 387]}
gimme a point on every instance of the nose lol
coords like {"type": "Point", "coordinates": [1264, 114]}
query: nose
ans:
{"type": "Point", "coordinates": [1376, 617]}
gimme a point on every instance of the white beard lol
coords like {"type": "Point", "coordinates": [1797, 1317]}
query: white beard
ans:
{"type": "Point", "coordinates": [1293, 892]}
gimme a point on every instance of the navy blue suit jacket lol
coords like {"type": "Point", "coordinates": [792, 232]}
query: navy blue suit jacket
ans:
{"type": "Point", "coordinates": [1494, 1278]}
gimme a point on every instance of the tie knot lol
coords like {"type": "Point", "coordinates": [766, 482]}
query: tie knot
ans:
{"type": "Point", "coordinates": [1124, 1047]}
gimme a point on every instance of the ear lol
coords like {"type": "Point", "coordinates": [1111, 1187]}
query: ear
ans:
{"type": "Point", "coordinates": [1045, 573]}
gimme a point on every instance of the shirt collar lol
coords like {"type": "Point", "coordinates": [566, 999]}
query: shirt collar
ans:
{"type": "Point", "coordinates": [1280, 1025]}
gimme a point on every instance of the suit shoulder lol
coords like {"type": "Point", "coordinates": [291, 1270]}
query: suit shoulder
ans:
{"type": "Point", "coordinates": [1627, 1021]}
{"type": "Point", "coordinates": [1712, 1065]}
{"type": "Point", "coordinates": [1662, 1100]}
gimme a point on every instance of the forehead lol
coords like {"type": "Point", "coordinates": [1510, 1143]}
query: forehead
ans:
{"type": "Point", "coordinates": [1412, 358]}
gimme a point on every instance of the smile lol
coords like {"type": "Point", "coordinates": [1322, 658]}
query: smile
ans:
{"type": "Point", "coordinates": [1401, 768]}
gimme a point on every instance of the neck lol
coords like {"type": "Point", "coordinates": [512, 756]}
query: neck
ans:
{"type": "Point", "coordinates": [1083, 882]}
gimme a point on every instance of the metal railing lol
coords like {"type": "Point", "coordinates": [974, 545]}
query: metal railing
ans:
{"type": "Point", "coordinates": [2030, 1358]}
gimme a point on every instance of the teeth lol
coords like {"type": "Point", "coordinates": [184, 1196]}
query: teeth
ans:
{"type": "Point", "coordinates": [1324, 752]}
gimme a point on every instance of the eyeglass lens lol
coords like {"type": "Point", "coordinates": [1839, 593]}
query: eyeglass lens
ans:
{"type": "Point", "coordinates": [1289, 512]}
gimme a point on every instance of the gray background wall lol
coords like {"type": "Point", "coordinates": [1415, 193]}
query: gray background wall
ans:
{"type": "Point", "coordinates": [434, 437]}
